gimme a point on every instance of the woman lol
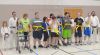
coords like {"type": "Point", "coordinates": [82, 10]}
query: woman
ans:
{"type": "Point", "coordinates": [5, 32]}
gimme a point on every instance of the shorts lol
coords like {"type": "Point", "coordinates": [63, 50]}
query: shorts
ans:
{"type": "Point", "coordinates": [46, 36]}
{"type": "Point", "coordinates": [67, 33]}
{"type": "Point", "coordinates": [53, 34]}
{"type": "Point", "coordinates": [87, 31]}
{"type": "Point", "coordinates": [37, 34]}
{"type": "Point", "coordinates": [25, 36]}
{"type": "Point", "coordinates": [78, 33]}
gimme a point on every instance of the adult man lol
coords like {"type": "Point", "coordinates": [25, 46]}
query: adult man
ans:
{"type": "Point", "coordinates": [13, 28]}
{"type": "Point", "coordinates": [95, 24]}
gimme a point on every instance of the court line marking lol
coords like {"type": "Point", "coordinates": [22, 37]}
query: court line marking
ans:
{"type": "Point", "coordinates": [54, 53]}
{"type": "Point", "coordinates": [76, 52]}
{"type": "Point", "coordinates": [63, 51]}
{"type": "Point", "coordinates": [87, 51]}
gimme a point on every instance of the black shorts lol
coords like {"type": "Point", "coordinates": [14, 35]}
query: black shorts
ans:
{"type": "Point", "coordinates": [53, 34]}
{"type": "Point", "coordinates": [37, 34]}
{"type": "Point", "coordinates": [46, 36]}
{"type": "Point", "coordinates": [25, 36]}
{"type": "Point", "coordinates": [78, 33]}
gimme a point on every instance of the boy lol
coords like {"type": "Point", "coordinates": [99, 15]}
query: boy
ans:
{"type": "Point", "coordinates": [67, 29]}
{"type": "Point", "coordinates": [37, 29]}
{"type": "Point", "coordinates": [78, 29]}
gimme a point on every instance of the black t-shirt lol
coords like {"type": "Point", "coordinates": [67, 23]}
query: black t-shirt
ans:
{"type": "Point", "coordinates": [78, 21]}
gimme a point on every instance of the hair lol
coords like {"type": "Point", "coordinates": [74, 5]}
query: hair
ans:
{"type": "Point", "coordinates": [67, 13]}
{"type": "Point", "coordinates": [53, 17]}
{"type": "Point", "coordinates": [44, 19]}
{"type": "Point", "coordinates": [92, 13]}
{"type": "Point", "coordinates": [36, 13]}
{"type": "Point", "coordinates": [25, 15]}
{"type": "Point", "coordinates": [4, 22]}
{"type": "Point", "coordinates": [13, 12]}
{"type": "Point", "coordinates": [51, 14]}
{"type": "Point", "coordinates": [58, 16]}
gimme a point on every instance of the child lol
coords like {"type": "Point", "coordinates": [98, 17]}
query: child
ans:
{"type": "Point", "coordinates": [50, 21]}
{"type": "Point", "coordinates": [54, 32]}
{"type": "Point", "coordinates": [37, 30]}
{"type": "Point", "coordinates": [5, 32]}
{"type": "Point", "coordinates": [67, 29]}
{"type": "Point", "coordinates": [46, 32]}
{"type": "Point", "coordinates": [78, 29]}
{"type": "Point", "coordinates": [60, 20]}
{"type": "Point", "coordinates": [87, 29]}
{"type": "Point", "coordinates": [25, 21]}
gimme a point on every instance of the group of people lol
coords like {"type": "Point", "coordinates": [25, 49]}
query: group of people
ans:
{"type": "Point", "coordinates": [55, 30]}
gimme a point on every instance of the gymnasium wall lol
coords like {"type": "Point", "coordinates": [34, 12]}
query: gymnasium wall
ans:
{"type": "Point", "coordinates": [52, 2]}
{"type": "Point", "coordinates": [44, 10]}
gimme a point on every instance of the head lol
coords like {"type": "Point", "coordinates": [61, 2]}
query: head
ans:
{"type": "Point", "coordinates": [45, 19]}
{"type": "Point", "coordinates": [25, 15]}
{"type": "Point", "coordinates": [4, 24]}
{"type": "Point", "coordinates": [14, 14]}
{"type": "Point", "coordinates": [51, 15]}
{"type": "Point", "coordinates": [36, 14]}
{"type": "Point", "coordinates": [93, 13]}
{"type": "Point", "coordinates": [67, 14]}
{"type": "Point", "coordinates": [54, 18]}
{"type": "Point", "coordinates": [79, 14]}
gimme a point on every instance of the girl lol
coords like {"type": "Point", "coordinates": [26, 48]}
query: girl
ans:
{"type": "Point", "coordinates": [5, 32]}
{"type": "Point", "coordinates": [54, 32]}
{"type": "Point", "coordinates": [46, 32]}
{"type": "Point", "coordinates": [87, 29]}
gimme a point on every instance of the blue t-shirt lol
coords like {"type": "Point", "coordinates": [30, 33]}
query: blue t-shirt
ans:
{"type": "Point", "coordinates": [45, 25]}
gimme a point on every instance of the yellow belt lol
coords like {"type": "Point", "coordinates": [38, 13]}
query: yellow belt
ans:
{"type": "Point", "coordinates": [77, 26]}
{"type": "Point", "coordinates": [37, 27]}
{"type": "Point", "coordinates": [66, 25]}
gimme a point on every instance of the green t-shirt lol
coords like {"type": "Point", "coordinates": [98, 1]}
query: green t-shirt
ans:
{"type": "Point", "coordinates": [25, 23]}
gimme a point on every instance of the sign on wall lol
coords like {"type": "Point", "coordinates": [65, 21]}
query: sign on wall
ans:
{"type": "Point", "coordinates": [73, 11]}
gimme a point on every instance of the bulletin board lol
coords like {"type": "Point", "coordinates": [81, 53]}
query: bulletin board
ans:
{"type": "Point", "coordinates": [73, 11]}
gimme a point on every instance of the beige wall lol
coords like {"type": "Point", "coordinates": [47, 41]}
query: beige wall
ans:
{"type": "Point", "coordinates": [44, 10]}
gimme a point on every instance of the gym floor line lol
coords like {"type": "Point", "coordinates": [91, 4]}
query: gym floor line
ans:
{"type": "Point", "coordinates": [71, 53]}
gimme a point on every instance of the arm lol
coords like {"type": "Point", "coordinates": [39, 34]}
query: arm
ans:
{"type": "Point", "coordinates": [9, 22]}
{"type": "Point", "coordinates": [2, 32]}
{"type": "Point", "coordinates": [97, 21]}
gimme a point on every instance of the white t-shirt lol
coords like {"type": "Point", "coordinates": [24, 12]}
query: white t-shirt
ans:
{"type": "Point", "coordinates": [87, 21]}
{"type": "Point", "coordinates": [54, 26]}
{"type": "Point", "coordinates": [95, 21]}
{"type": "Point", "coordinates": [5, 30]}
{"type": "Point", "coordinates": [13, 22]}
{"type": "Point", "coordinates": [72, 25]}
